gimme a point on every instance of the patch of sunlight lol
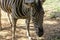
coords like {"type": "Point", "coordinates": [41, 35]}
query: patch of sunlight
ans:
{"type": "Point", "coordinates": [21, 21]}
{"type": "Point", "coordinates": [8, 37]}
{"type": "Point", "coordinates": [22, 39]}
{"type": "Point", "coordinates": [50, 22]}
{"type": "Point", "coordinates": [4, 14]}
{"type": "Point", "coordinates": [3, 33]}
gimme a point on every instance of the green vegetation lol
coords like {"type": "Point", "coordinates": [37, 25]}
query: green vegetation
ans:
{"type": "Point", "coordinates": [52, 7]}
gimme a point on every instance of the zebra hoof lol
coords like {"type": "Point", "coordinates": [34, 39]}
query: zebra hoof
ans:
{"type": "Point", "coordinates": [30, 38]}
{"type": "Point", "coordinates": [40, 38]}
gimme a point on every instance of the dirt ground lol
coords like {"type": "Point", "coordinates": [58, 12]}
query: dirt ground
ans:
{"type": "Point", "coordinates": [51, 29]}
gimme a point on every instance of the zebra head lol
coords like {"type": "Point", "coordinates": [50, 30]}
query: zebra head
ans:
{"type": "Point", "coordinates": [35, 10]}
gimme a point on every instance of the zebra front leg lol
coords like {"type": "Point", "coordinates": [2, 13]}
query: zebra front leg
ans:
{"type": "Point", "coordinates": [13, 28]}
{"type": "Point", "coordinates": [27, 25]}
{"type": "Point", "coordinates": [14, 20]}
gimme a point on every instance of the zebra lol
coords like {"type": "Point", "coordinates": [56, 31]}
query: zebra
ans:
{"type": "Point", "coordinates": [25, 9]}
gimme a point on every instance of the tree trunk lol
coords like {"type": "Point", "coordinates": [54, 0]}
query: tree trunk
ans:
{"type": "Point", "coordinates": [0, 18]}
